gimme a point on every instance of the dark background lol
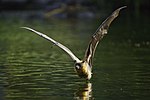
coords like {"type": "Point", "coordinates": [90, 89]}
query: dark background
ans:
{"type": "Point", "coordinates": [73, 7]}
{"type": "Point", "coordinates": [97, 4]}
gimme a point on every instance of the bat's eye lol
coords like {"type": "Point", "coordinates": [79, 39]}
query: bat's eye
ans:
{"type": "Point", "coordinates": [77, 67]}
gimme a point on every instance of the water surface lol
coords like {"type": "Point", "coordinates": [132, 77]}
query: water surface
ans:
{"type": "Point", "coordinates": [34, 69]}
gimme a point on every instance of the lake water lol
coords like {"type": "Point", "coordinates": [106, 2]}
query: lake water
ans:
{"type": "Point", "coordinates": [31, 68]}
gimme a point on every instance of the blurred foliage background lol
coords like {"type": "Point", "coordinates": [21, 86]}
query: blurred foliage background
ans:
{"type": "Point", "coordinates": [99, 4]}
{"type": "Point", "coordinates": [73, 8]}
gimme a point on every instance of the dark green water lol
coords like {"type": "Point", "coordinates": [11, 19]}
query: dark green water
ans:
{"type": "Point", "coordinates": [31, 68]}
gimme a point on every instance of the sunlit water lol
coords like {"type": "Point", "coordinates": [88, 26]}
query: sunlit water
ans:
{"type": "Point", "coordinates": [34, 69]}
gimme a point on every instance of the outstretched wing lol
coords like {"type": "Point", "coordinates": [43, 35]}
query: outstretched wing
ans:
{"type": "Point", "coordinates": [98, 35]}
{"type": "Point", "coordinates": [54, 42]}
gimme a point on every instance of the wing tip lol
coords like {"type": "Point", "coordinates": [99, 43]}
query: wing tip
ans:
{"type": "Point", "coordinates": [24, 27]}
{"type": "Point", "coordinates": [117, 11]}
{"type": "Point", "coordinates": [123, 7]}
{"type": "Point", "coordinates": [30, 29]}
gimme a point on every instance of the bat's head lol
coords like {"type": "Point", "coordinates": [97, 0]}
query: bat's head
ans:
{"type": "Point", "coordinates": [83, 70]}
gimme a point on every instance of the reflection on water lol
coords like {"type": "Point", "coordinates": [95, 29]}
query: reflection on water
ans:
{"type": "Point", "coordinates": [84, 92]}
{"type": "Point", "coordinates": [32, 68]}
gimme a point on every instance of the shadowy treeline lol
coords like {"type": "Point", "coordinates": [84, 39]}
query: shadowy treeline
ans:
{"type": "Point", "coordinates": [71, 8]}
{"type": "Point", "coordinates": [52, 4]}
